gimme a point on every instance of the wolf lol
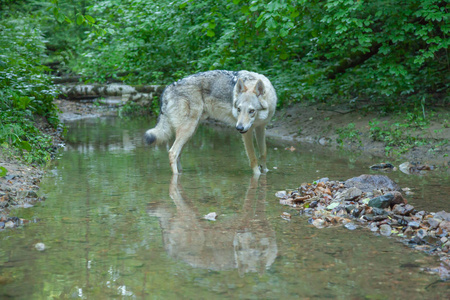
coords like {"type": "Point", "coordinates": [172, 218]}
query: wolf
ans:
{"type": "Point", "coordinates": [244, 99]}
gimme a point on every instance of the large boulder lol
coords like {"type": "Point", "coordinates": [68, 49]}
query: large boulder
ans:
{"type": "Point", "coordinates": [369, 183]}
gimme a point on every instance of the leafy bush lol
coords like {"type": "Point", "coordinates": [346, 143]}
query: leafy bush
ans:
{"type": "Point", "coordinates": [312, 50]}
{"type": "Point", "coordinates": [25, 90]}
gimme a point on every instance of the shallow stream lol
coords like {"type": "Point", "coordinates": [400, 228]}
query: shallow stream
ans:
{"type": "Point", "coordinates": [115, 224]}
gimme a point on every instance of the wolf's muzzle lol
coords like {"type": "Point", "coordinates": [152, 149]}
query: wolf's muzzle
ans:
{"type": "Point", "coordinates": [240, 128]}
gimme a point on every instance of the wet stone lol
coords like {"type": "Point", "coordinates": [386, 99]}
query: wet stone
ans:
{"type": "Point", "coordinates": [397, 198]}
{"type": "Point", "coordinates": [350, 194]}
{"type": "Point", "coordinates": [402, 222]}
{"type": "Point", "coordinates": [32, 194]}
{"type": "Point", "coordinates": [382, 166]}
{"type": "Point", "coordinates": [421, 233]}
{"type": "Point", "coordinates": [350, 226]}
{"type": "Point", "coordinates": [445, 225]}
{"type": "Point", "coordinates": [381, 201]}
{"type": "Point", "coordinates": [442, 215]}
{"type": "Point", "coordinates": [9, 224]}
{"type": "Point", "coordinates": [414, 224]}
{"type": "Point", "coordinates": [319, 223]}
{"type": "Point", "coordinates": [349, 208]}
{"type": "Point", "coordinates": [379, 211]}
{"type": "Point", "coordinates": [385, 230]}
{"type": "Point", "coordinates": [373, 227]}
{"type": "Point", "coordinates": [402, 209]}
{"type": "Point", "coordinates": [441, 232]}
{"type": "Point", "coordinates": [434, 223]}
{"type": "Point", "coordinates": [368, 217]}
{"type": "Point", "coordinates": [379, 218]}
{"type": "Point", "coordinates": [40, 246]}
{"type": "Point", "coordinates": [369, 183]}
{"type": "Point", "coordinates": [416, 241]}
{"type": "Point", "coordinates": [356, 212]}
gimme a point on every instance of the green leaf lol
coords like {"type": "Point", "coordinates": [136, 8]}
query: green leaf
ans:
{"type": "Point", "coordinates": [284, 32]}
{"type": "Point", "coordinates": [3, 171]}
{"type": "Point", "coordinates": [210, 33]}
{"type": "Point", "coordinates": [90, 19]}
{"type": "Point", "coordinates": [25, 145]}
{"type": "Point", "coordinates": [80, 19]}
{"type": "Point", "coordinates": [60, 17]}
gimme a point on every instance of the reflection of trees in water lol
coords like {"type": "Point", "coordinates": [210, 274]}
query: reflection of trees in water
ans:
{"type": "Point", "coordinates": [246, 242]}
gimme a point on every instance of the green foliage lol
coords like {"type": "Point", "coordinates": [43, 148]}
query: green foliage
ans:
{"type": "Point", "coordinates": [25, 90]}
{"type": "Point", "coordinates": [395, 136]}
{"type": "Point", "coordinates": [3, 171]}
{"type": "Point", "coordinates": [348, 134]}
{"type": "Point", "coordinates": [312, 50]}
{"type": "Point", "coordinates": [387, 51]}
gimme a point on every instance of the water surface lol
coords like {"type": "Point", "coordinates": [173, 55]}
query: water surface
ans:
{"type": "Point", "coordinates": [116, 224]}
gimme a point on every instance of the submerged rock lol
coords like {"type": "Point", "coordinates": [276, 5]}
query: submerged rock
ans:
{"type": "Point", "coordinates": [382, 166]}
{"type": "Point", "coordinates": [40, 246]}
{"type": "Point", "coordinates": [415, 168]}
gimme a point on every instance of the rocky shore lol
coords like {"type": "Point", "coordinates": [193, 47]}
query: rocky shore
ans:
{"type": "Point", "coordinates": [19, 187]}
{"type": "Point", "coordinates": [374, 203]}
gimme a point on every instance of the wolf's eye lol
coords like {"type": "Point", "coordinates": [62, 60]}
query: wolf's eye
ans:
{"type": "Point", "coordinates": [238, 109]}
{"type": "Point", "coordinates": [251, 111]}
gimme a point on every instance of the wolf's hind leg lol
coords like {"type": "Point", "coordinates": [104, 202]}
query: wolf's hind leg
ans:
{"type": "Point", "coordinates": [182, 136]}
{"type": "Point", "coordinates": [261, 141]}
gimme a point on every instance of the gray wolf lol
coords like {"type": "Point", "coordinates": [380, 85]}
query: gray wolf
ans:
{"type": "Point", "coordinates": [244, 99]}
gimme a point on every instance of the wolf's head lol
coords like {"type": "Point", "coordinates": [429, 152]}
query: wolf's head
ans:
{"type": "Point", "coordinates": [249, 104]}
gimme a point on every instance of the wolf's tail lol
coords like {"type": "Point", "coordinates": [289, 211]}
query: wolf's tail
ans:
{"type": "Point", "coordinates": [161, 133]}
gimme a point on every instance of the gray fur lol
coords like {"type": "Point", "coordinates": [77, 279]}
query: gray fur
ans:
{"type": "Point", "coordinates": [244, 99]}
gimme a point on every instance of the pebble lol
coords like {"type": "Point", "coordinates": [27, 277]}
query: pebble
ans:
{"type": "Point", "coordinates": [40, 246]}
{"type": "Point", "coordinates": [9, 224]}
{"type": "Point", "coordinates": [319, 223]}
{"type": "Point", "coordinates": [385, 230]}
{"type": "Point", "coordinates": [414, 224]}
{"type": "Point", "coordinates": [421, 233]}
{"type": "Point", "coordinates": [434, 223]}
{"type": "Point", "coordinates": [373, 227]}
{"type": "Point", "coordinates": [211, 216]}
{"type": "Point", "coordinates": [445, 225]}
{"type": "Point", "coordinates": [350, 226]}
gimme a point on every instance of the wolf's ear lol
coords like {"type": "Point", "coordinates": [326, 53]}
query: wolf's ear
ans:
{"type": "Point", "coordinates": [259, 88]}
{"type": "Point", "coordinates": [240, 87]}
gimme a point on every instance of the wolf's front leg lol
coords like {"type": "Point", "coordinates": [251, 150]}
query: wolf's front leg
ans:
{"type": "Point", "coordinates": [250, 149]}
{"type": "Point", "coordinates": [261, 140]}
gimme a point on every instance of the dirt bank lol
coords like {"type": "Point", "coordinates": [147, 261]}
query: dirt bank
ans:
{"type": "Point", "coordinates": [18, 188]}
{"type": "Point", "coordinates": [340, 126]}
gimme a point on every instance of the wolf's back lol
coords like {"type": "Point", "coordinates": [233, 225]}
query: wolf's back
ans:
{"type": "Point", "coordinates": [161, 133]}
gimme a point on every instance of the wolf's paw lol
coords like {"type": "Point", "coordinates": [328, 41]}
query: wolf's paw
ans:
{"type": "Point", "coordinates": [263, 169]}
{"type": "Point", "coordinates": [256, 172]}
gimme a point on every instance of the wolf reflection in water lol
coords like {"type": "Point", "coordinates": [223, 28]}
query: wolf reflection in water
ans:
{"type": "Point", "coordinates": [246, 242]}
